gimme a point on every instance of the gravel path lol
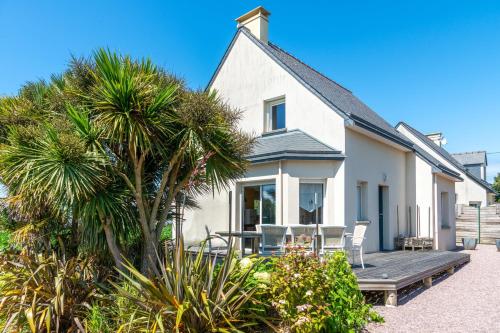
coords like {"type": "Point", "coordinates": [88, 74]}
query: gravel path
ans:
{"type": "Point", "coordinates": [467, 301]}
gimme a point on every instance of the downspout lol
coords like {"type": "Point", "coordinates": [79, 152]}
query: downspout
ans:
{"type": "Point", "coordinates": [280, 174]}
{"type": "Point", "coordinates": [434, 207]}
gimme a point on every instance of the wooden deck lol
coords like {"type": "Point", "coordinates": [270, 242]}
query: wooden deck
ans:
{"type": "Point", "coordinates": [391, 271]}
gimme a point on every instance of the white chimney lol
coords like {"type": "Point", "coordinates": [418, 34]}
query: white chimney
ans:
{"type": "Point", "coordinates": [437, 138]}
{"type": "Point", "coordinates": [257, 21]}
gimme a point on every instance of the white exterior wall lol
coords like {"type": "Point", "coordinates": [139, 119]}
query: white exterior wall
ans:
{"type": "Point", "coordinates": [418, 198]}
{"type": "Point", "coordinates": [466, 191]}
{"type": "Point", "coordinates": [445, 238]}
{"type": "Point", "coordinates": [469, 190]}
{"type": "Point", "coordinates": [424, 195]}
{"type": "Point", "coordinates": [368, 160]}
{"type": "Point", "coordinates": [325, 172]}
{"type": "Point", "coordinates": [214, 210]}
{"type": "Point", "coordinates": [249, 77]}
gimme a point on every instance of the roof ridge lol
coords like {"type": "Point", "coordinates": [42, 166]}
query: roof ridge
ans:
{"type": "Point", "coordinates": [470, 152]}
{"type": "Point", "coordinates": [311, 68]}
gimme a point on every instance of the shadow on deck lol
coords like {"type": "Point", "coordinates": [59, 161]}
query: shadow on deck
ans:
{"type": "Point", "coordinates": [391, 271]}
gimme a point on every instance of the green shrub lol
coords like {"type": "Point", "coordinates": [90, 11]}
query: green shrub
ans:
{"type": "Point", "coordinates": [346, 302]}
{"type": "Point", "coordinates": [310, 294]}
{"type": "Point", "coordinates": [46, 294]}
{"type": "Point", "coordinates": [258, 281]}
{"type": "Point", "coordinates": [189, 293]}
{"type": "Point", "coordinates": [298, 292]}
{"type": "Point", "coordinates": [100, 319]}
{"type": "Point", "coordinates": [166, 233]}
{"type": "Point", "coordinates": [4, 241]}
{"type": "Point", "coordinates": [6, 227]}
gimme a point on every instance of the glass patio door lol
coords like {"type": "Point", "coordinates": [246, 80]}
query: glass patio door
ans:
{"type": "Point", "coordinates": [259, 205]}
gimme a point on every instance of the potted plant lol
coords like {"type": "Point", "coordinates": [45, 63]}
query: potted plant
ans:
{"type": "Point", "coordinates": [469, 243]}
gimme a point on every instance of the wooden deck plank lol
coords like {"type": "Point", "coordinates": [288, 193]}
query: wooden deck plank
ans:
{"type": "Point", "coordinates": [398, 269]}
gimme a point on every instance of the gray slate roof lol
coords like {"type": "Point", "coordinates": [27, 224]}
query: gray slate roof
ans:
{"type": "Point", "coordinates": [333, 94]}
{"type": "Point", "coordinates": [471, 158]}
{"type": "Point", "coordinates": [291, 145]}
{"type": "Point", "coordinates": [447, 156]}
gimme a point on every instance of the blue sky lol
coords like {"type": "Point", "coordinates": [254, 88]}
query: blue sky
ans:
{"type": "Point", "coordinates": [435, 64]}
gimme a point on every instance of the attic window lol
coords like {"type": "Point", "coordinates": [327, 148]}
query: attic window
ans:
{"type": "Point", "coordinates": [274, 115]}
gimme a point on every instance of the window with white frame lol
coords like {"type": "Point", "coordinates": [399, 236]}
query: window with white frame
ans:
{"type": "Point", "coordinates": [310, 203]}
{"type": "Point", "coordinates": [275, 115]}
{"type": "Point", "coordinates": [445, 210]}
{"type": "Point", "coordinates": [361, 201]}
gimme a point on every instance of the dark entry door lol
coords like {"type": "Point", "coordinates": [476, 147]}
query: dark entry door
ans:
{"type": "Point", "coordinates": [381, 217]}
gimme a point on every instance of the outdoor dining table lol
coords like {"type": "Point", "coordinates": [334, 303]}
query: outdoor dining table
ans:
{"type": "Point", "coordinates": [254, 236]}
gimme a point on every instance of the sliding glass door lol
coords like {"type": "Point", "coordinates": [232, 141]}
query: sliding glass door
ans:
{"type": "Point", "coordinates": [259, 205]}
{"type": "Point", "coordinates": [268, 204]}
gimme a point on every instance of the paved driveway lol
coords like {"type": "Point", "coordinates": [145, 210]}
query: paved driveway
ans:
{"type": "Point", "coordinates": [467, 301]}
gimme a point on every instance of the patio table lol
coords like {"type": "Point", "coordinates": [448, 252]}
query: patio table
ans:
{"type": "Point", "coordinates": [253, 235]}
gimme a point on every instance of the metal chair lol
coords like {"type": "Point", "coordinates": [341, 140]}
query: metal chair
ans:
{"type": "Point", "coordinates": [333, 238]}
{"type": "Point", "coordinates": [273, 238]}
{"type": "Point", "coordinates": [357, 239]}
{"type": "Point", "coordinates": [216, 244]}
{"type": "Point", "coordinates": [303, 234]}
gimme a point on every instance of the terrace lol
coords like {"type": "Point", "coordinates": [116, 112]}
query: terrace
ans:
{"type": "Point", "coordinates": [392, 271]}
{"type": "Point", "coordinates": [385, 271]}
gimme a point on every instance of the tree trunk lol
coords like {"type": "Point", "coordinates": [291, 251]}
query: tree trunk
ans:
{"type": "Point", "coordinates": [148, 257]}
{"type": "Point", "coordinates": [61, 247]}
{"type": "Point", "coordinates": [112, 246]}
{"type": "Point", "coordinates": [74, 237]}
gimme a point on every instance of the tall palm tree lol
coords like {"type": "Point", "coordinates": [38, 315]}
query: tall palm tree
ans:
{"type": "Point", "coordinates": [125, 139]}
{"type": "Point", "coordinates": [161, 138]}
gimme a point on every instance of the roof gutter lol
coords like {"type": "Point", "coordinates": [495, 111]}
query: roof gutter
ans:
{"type": "Point", "coordinates": [355, 121]}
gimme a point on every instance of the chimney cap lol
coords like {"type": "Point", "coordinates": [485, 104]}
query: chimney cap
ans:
{"type": "Point", "coordinates": [254, 12]}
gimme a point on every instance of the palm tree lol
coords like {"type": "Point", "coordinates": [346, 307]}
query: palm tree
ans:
{"type": "Point", "coordinates": [161, 139]}
{"type": "Point", "coordinates": [125, 139]}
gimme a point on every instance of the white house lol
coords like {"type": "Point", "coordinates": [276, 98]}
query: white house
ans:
{"type": "Point", "coordinates": [474, 161]}
{"type": "Point", "coordinates": [321, 154]}
{"type": "Point", "coordinates": [474, 190]}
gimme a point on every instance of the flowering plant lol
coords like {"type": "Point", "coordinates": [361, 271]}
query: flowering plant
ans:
{"type": "Point", "coordinates": [311, 294]}
{"type": "Point", "coordinates": [297, 292]}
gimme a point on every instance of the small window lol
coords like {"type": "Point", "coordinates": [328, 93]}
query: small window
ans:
{"type": "Point", "coordinates": [361, 201]}
{"type": "Point", "coordinates": [275, 115]}
{"type": "Point", "coordinates": [445, 210]}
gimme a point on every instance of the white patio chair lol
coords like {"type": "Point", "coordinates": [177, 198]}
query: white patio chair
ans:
{"type": "Point", "coordinates": [357, 239]}
{"type": "Point", "coordinates": [273, 238]}
{"type": "Point", "coordinates": [303, 234]}
{"type": "Point", "coordinates": [332, 238]}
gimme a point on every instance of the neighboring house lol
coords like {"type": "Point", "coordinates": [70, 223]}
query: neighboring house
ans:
{"type": "Point", "coordinates": [321, 154]}
{"type": "Point", "coordinates": [474, 190]}
{"type": "Point", "coordinates": [475, 162]}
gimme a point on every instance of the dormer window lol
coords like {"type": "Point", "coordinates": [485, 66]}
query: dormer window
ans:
{"type": "Point", "coordinates": [274, 115]}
